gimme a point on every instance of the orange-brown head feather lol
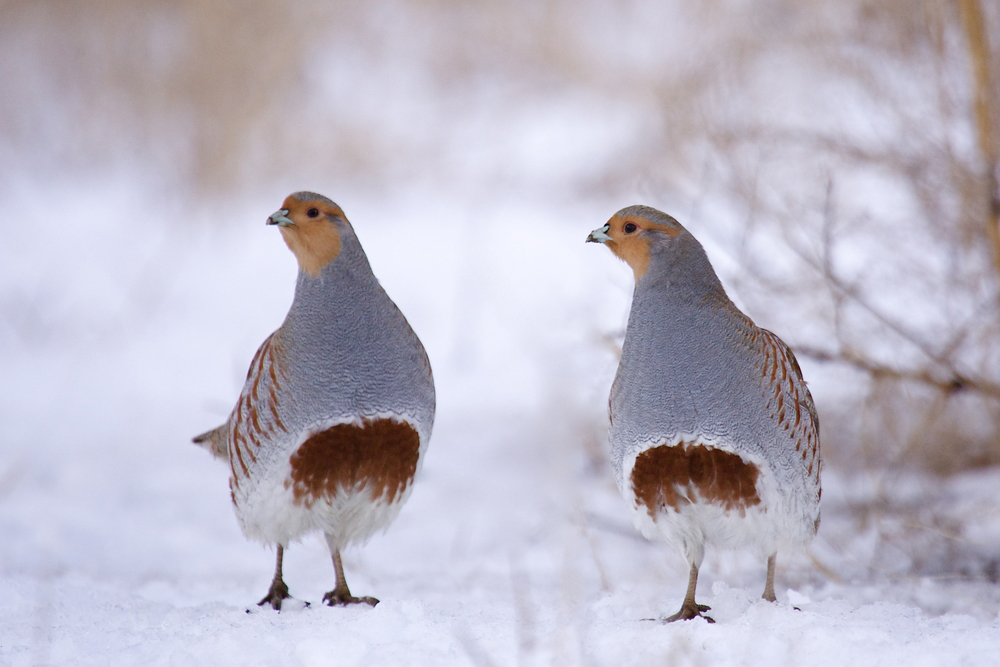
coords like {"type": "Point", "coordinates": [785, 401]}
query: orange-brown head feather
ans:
{"type": "Point", "coordinates": [627, 235]}
{"type": "Point", "coordinates": [312, 237]}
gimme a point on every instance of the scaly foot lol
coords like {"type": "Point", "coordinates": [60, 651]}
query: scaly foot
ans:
{"type": "Point", "coordinates": [275, 595]}
{"type": "Point", "coordinates": [690, 610]}
{"type": "Point", "coordinates": [342, 597]}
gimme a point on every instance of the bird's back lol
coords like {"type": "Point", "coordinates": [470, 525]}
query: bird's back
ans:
{"type": "Point", "coordinates": [705, 369]}
{"type": "Point", "coordinates": [337, 408]}
{"type": "Point", "coordinates": [728, 400]}
{"type": "Point", "coordinates": [352, 352]}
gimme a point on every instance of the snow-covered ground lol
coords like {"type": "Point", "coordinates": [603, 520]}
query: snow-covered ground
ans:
{"type": "Point", "coordinates": [118, 545]}
{"type": "Point", "coordinates": [486, 145]}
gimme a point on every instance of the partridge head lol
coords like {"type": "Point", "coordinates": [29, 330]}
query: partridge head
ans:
{"type": "Point", "coordinates": [311, 229]}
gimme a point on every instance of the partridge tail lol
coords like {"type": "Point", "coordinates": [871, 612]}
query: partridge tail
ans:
{"type": "Point", "coordinates": [215, 441]}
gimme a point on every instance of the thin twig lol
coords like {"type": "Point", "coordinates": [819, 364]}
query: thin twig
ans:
{"type": "Point", "coordinates": [954, 382]}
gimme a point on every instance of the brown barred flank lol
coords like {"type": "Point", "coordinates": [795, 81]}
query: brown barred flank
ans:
{"type": "Point", "coordinates": [379, 454]}
{"type": "Point", "coordinates": [719, 477]}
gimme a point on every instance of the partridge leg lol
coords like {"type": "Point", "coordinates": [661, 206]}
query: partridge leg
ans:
{"type": "Point", "coordinates": [769, 586]}
{"type": "Point", "coordinates": [278, 590]}
{"type": "Point", "coordinates": [341, 594]}
{"type": "Point", "coordinates": [689, 608]}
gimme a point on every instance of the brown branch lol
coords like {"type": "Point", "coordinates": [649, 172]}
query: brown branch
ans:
{"type": "Point", "coordinates": [947, 378]}
{"type": "Point", "coordinates": [984, 109]}
{"type": "Point", "coordinates": [952, 383]}
{"type": "Point", "coordinates": [840, 289]}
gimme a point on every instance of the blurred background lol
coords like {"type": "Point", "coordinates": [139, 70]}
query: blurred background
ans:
{"type": "Point", "coordinates": [838, 159]}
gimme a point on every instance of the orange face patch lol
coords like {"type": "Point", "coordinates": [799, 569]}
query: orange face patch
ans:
{"type": "Point", "coordinates": [628, 244]}
{"type": "Point", "coordinates": [378, 454]}
{"type": "Point", "coordinates": [661, 476]}
{"type": "Point", "coordinates": [313, 238]}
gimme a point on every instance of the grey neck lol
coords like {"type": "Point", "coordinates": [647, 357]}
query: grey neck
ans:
{"type": "Point", "coordinates": [342, 284]}
{"type": "Point", "coordinates": [679, 368]}
{"type": "Point", "coordinates": [680, 272]}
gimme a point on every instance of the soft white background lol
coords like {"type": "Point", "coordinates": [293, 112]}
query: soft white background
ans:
{"type": "Point", "coordinates": [130, 309]}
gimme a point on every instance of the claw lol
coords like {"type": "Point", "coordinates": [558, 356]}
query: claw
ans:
{"type": "Point", "coordinates": [275, 595]}
{"type": "Point", "coordinates": [688, 611]}
{"type": "Point", "coordinates": [339, 598]}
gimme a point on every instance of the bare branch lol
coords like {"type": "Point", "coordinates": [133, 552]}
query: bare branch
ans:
{"type": "Point", "coordinates": [985, 113]}
{"type": "Point", "coordinates": [950, 383]}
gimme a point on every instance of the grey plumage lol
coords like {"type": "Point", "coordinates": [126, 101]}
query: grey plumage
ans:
{"type": "Point", "coordinates": [695, 371]}
{"type": "Point", "coordinates": [338, 405]}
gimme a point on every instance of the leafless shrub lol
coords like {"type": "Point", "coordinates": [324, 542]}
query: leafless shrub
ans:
{"type": "Point", "coordinates": [843, 154]}
{"type": "Point", "coordinates": [853, 144]}
{"type": "Point", "coordinates": [193, 90]}
{"type": "Point", "coordinates": [848, 152]}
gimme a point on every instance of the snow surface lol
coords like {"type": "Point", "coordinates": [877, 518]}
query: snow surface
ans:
{"type": "Point", "coordinates": [118, 545]}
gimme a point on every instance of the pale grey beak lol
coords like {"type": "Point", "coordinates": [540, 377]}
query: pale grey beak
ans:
{"type": "Point", "coordinates": [599, 235]}
{"type": "Point", "coordinates": [280, 218]}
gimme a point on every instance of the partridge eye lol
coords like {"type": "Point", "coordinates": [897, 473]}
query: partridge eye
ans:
{"type": "Point", "coordinates": [630, 227]}
{"type": "Point", "coordinates": [313, 212]}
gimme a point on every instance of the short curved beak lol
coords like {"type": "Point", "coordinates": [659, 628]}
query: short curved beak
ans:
{"type": "Point", "coordinates": [599, 235]}
{"type": "Point", "coordinates": [280, 218]}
